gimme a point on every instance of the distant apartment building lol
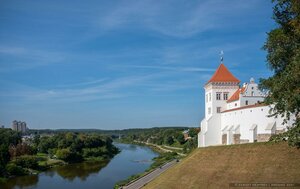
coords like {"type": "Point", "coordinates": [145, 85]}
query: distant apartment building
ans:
{"type": "Point", "coordinates": [20, 126]}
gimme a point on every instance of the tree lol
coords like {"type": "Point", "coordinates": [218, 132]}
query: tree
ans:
{"type": "Point", "coordinates": [169, 140]}
{"type": "Point", "coordinates": [180, 138]}
{"type": "Point", "coordinates": [193, 132]}
{"type": "Point", "coordinates": [69, 156]}
{"type": "Point", "coordinates": [283, 48]}
{"type": "Point", "coordinates": [4, 158]}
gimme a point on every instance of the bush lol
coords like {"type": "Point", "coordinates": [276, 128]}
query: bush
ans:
{"type": "Point", "coordinates": [69, 156]}
{"type": "Point", "coordinates": [27, 161]}
{"type": "Point", "coordinates": [94, 152]}
{"type": "Point", "coordinates": [13, 169]}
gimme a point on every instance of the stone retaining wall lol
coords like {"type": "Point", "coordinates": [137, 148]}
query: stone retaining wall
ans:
{"type": "Point", "coordinates": [263, 137]}
{"type": "Point", "coordinates": [236, 138]}
{"type": "Point", "coordinates": [224, 139]}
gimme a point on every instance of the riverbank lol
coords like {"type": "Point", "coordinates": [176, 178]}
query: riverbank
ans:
{"type": "Point", "coordinates": [46, 163]}
{"type": "Point", "coordinates": [164, 157]}
{"type": "Point", "coordinates": [142, 181]}
{"type": "Point", "coordinates": [38, 153]}
{"type": "Point", "coordinates": [132, 159]}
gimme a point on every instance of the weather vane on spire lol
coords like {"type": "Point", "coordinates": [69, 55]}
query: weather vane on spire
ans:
{"type": "Point", "coordinates": [221, 56]}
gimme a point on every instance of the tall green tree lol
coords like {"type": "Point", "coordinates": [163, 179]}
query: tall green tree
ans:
{"type": "Point", "coordinates": [283, 48]}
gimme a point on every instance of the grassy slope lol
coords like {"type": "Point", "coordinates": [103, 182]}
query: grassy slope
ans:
{"type": "Point", "coordinates": [216, 167]}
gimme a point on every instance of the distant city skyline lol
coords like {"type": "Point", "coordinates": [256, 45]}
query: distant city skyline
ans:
{"type": "Point", "coordinates": [123, 64]}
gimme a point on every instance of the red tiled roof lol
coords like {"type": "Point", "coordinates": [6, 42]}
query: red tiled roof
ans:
{"type": "Point", "coordinates": [222, 74]}
{"type": "Point", "coordinates": [236, 94]}
{"type": "Point", "coordinates": [245, 107]}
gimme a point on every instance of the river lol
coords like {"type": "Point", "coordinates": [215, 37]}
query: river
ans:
{"type": "Point", "coordinates": [131, 160]}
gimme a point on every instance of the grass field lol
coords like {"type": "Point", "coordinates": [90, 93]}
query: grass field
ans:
{"type": "Point", "coordinates": [216, 167]}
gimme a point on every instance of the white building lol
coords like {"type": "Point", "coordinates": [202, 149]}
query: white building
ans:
{"type": "Point", "coordinates": [235, 114]}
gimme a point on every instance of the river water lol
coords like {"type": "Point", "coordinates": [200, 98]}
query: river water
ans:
{"type": "Point", "coordinates": [131, 160]}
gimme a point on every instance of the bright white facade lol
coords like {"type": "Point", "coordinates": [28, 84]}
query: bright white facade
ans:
{"type": "Point", "coordinates": [234, 114]}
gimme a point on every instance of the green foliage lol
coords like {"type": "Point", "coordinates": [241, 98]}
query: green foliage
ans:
{"type": "Point", "coordinates": [294, 135]}
{"type": "Point", "coordinates": [73, 147]}
{"type": "Point", "coordinates": [169, 140]}
{"type": "Point", "coordinates": [180, 138]}
{"type": "Point", "coordinates": [4, 158]}
{"type": "Point", "coordinates": [193, 132]}
{"type": "Point", "coordinates": [190, 145]}
{"type": "Point", "coordinates": [160, 136]}
{"type": "Point", "coordinates": [27, 161]}
{"type": "Point", "coordinates": [283, 48]}
{"type": "Point", "coordinates": [13, 169]}
{"type": "Point", "coordinates": [163, 158]}
{"type": "Point", "coordinates": [46, 143]}
{"type": "Point", "coordinates": [69, 156]}
{"type": "Point", "coordinates": [7, 137]}
{"type": "Point", "coordinates": [65, 146]}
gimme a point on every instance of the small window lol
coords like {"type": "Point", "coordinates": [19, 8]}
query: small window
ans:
{"type": "Point", "coordinates": [235, 104]}
{"type": "Point", "coordinates": [218, 109]}
{"type": "Point", "coordinates": [262, 109]}
{"type": "Point", "coordinates": [252, 88]}
{"type": "Point", "coordinates": [218, 96]}
{"type": "Point", "coordinates": [209, 110]}
{"type": "Point", "coordinates": [246, 102]}
{"type": "Point", "coordinates": [252, 93]}
{"type": "Point", "coordinates": [206, 98]}
{"type": "Point", "coordinates": [209, 97]}
{"type": "Point", "coordinates": [225, 96]}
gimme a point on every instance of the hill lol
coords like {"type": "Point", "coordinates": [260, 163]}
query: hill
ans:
{"type": "Point", "coordinates": [216, 167]}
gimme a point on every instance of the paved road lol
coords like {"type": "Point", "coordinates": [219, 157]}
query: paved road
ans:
{"type": "Point", "coordinates": [146, 179]}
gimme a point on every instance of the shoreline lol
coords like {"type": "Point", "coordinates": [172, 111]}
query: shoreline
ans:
{"type": "Point", "coordinates": [57, 164]}
{"type": "Point", "coordinates": [163, 158]}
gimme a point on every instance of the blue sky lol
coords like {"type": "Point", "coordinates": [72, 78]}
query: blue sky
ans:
{"type": "Point", "coordinates": [123, 64]}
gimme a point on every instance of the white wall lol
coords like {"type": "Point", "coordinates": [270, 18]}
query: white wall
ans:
{"type": "Point", "coordinates": [249, 116]}
{"type": "Point", "coordinates": [210, 133]}
{"type": "Point", "coordinates": [234, 104]}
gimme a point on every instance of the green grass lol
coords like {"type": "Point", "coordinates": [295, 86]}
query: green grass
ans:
{"type": "Point", "coordinates": [216, 167]}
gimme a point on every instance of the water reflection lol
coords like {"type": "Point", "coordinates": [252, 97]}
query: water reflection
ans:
{"type": "Point", "coordinates": [131, 160]}
{"type": "Point", "coordinates": [80, 170]}
{"type": "Point", "coordinates": [22, 182]}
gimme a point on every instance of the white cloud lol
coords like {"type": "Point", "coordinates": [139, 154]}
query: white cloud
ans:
{"type": "Point", "coordinates": [20, 58]}
{"type": "Point", "coordinates": [174, 18]}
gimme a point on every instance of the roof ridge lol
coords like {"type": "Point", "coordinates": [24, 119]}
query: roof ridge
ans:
{"type": "Point", "coordinates": [222, 74]}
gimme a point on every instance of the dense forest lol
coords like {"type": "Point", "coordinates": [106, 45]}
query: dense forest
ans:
{"type": "Point", "coordinates": [19, 157]}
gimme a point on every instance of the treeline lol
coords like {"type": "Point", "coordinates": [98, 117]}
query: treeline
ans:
{"type": "Point", "coordinates": [115, 132]}
{"type": "Point", "coordinates": [19, 157]}
{"type": "Point", "coordinates": [74, 147]}
{"type": "Point", "coordinates": [164, 136]}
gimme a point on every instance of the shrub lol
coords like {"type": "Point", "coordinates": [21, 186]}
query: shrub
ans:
{"type": "Point", "coordinates": [69, 156]}
{"type": "Point", "coordinates": [27, 161]}
{"type": "Point", "coordinates": [13, 169]}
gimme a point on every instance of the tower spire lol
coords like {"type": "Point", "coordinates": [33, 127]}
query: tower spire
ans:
{"type": "Point", "coordinates": [221, 56]}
